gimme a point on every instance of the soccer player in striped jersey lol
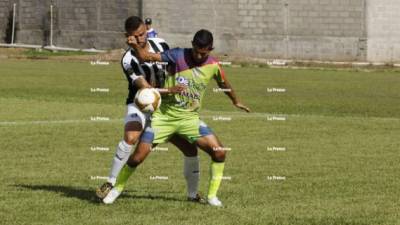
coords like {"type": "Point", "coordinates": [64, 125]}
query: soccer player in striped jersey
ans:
{"type": "Point", "coordinates": [142, 75]}
{"type": "Point", "coordinates": [179, 113]}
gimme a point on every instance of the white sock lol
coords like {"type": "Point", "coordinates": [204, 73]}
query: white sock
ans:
{"type": "Point", "coordinates": [121, 157]}
{"type": "Point", "coordinates": [191, 171]}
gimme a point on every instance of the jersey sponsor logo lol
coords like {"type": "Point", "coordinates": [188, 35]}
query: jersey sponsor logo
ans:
{"type": "Point", "coordinates": [182, 80]}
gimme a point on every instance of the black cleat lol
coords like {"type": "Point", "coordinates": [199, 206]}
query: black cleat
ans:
{"type": "Point", "coordinates": [197, 199]}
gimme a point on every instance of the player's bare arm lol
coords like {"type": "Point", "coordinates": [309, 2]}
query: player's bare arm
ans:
{"type": "Point", "coordinates": [142, 83]}
{"type": "Point", "coordinates": [232, 95]}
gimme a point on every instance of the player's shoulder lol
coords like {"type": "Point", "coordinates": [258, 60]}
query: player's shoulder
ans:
{"type": "Point", "coordinates": [177, 51]}
{"type": "Point", "coordinates": [157, 40]}
{"type": "Point", "coordinates": [160, 43]}
{"type": "Point", "coordinates": [212, 60]}
{"type": "Point", "coordinates": [129, 57]}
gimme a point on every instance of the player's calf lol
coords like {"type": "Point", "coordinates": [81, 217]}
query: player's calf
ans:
{"type": "Point", "coordinates": [214, 148]}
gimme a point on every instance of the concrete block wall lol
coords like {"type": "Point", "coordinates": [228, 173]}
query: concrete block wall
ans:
{"type": "Point", "coordinates": [292, 29]}
{"type": "Point", "coordinates": [6, 7]}
{"type": "Point", "coordinates": [77, 23]}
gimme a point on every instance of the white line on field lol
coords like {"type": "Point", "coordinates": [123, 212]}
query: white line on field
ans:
{"type": "Point", "coordinates": [216, 115]}
{"type": "Point", "coordinates": [53, 122]}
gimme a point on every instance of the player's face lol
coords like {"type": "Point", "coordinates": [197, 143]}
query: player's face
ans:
{"type": "Point", "coordinates": [141, 35]}
{"type": "Point", "coordinates": [200, 55]}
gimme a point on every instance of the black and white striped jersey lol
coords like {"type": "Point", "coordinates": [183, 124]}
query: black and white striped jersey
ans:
{"type": "Point", "coordinates": [153, 72]}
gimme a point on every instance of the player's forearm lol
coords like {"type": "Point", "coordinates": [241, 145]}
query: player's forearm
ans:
{"type": "Point", "coordinates": [145, 55]}
{"type": "Point", "coordinates": [142, 83]}
{"type": "Point", "coordinates": [163, 91]}
{"type": "Point", "coordinates": [229, 91]}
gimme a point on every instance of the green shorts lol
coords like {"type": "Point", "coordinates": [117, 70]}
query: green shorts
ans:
{"type": "Point", "coordinates": [162, 127]}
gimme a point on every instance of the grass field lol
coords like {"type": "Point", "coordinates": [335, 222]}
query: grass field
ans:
{"type": "Point", "coordinates": [340, 167]}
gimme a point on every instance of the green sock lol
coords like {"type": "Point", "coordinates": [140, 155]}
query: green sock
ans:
{"type": "Point", "coordinates": [216, 172]}
{"type": "Point", "coordinates": [123, 176]}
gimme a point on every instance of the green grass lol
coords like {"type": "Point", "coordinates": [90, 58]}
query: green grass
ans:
{"type": "Point", "coordinates": [341, 161]}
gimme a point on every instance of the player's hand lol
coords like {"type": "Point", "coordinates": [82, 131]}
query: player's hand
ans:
{"type": "Point", "coordinates": [177, 89]}
{"type": "Point", "coordinates": [131, 41]}
{"type": "Point", "coordinates": [242, 107]}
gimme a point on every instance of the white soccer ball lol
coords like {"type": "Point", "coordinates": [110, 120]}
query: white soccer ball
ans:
{"type": "Point", "coordinates": [148, 100]}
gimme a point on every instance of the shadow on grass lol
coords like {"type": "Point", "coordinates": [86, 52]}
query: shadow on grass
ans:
{"type": "Point", "coordinates": [89, 194]}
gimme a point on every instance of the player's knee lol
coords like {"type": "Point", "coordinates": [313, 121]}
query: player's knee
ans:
{"type": "Point", "coordinates": [130, 139]}
{"type": "Point", "coordinates": [134, 162]}
{"type": "Point", "coordinates": [219, 156]}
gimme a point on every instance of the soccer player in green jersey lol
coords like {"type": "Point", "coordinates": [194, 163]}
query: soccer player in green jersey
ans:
{"type": "Point", "coordinates": [179, 113]}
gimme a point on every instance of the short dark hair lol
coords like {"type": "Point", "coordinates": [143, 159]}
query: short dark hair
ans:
{"type": "Point", "coordinates": [203, 39]}
{"type": "Point", "coordinates": [148, 21]}
{"type": "Point", "coordinates": [132, 23]}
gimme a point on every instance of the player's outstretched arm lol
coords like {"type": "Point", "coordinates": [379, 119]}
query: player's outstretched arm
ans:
{"type": "Point", "coordinates": [143, 53]}
{"type": "Point", "coordinates": [224, 84]}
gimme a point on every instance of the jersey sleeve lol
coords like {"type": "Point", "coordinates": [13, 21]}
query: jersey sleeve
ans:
{"type": "Point", "coordinates": [132, 68]}
{"type": "Point", "coordinates": [171, 56]}
{"type": "Point", "coordinates": [220, 74]}
{"type": "Point", "coordinates": [158, 44]}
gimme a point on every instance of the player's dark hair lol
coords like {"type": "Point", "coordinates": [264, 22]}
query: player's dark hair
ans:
{"type": "Point", "coordinates": [203, 39]}
{"type": "Point", "coordinates": [132, 23]}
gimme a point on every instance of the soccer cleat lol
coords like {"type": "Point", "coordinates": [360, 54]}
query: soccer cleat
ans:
{"type": "Point", "coordinates": [112, 196]}
{"type": "Point", "coordinates": [197, 199]}
{"type": "Point", "coordinates": [214, 202]}
{"type": "Point", "coordinates": [103, 190]}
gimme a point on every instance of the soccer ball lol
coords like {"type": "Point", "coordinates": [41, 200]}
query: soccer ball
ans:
{"type": "Point", "coordinates": [148, 100]}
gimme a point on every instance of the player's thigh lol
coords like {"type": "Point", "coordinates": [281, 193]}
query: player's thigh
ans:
{"type": "Point", "coordinates": [132, 132]}
{"type": "Point", "coordinates": [160, 130]}
{"type": "Point", "coordinates": [187, 148]}
{"type": "Point", "coordinates": [135, 121]}
{"type": "Point", "coordinates": [213, 146]}
{"type": "Point", "coordinates": [193, 129]}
